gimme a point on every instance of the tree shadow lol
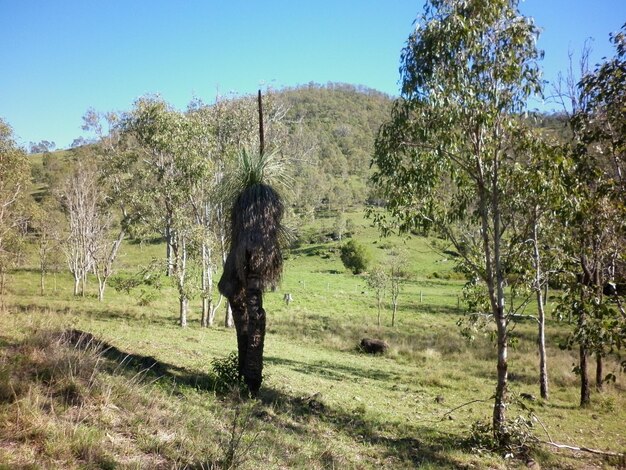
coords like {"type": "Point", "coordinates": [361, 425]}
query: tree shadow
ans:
{"type": "Point", "coordinates": [330, 370]}
{"type": "Point", "coordinates": [146, 364]}
{"type": "Point", "coordinates": [408, 450]}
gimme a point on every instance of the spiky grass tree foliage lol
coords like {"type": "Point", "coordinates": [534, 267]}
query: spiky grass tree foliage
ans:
{"type": "Point", "coordinates": [254, 262]}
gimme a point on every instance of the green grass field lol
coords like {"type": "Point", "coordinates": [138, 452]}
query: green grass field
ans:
{"type": "Point", "coordinates": [322, 404]}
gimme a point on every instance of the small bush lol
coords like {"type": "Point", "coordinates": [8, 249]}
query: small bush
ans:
{"type": "Point", "coordinates": [226, 370]}
{"type": "Point", "coordinates": [355, 257]}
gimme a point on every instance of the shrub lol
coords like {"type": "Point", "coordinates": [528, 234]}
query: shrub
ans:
{"type": "Point", "coordinates": [355, 257]}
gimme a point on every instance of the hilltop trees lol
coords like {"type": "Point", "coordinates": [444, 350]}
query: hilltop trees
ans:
{"type": "Point", "coordinates": [445, 159]}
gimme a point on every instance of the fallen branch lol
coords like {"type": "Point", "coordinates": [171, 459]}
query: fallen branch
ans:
{"type": "Point", "coordinates": [478, 400]}
{"type": "Point", "coordinates": [607, 453]}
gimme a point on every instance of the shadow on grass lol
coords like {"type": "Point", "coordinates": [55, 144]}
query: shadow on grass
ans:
{"type": "Point", "coordinates": [148, 364]}
{"type": "Point", "coordinates": [331, 371]}
{"type": "Point", "coordinates": [431, 448]}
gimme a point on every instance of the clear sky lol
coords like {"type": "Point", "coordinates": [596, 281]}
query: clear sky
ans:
{"type": "Point", "coordinates": [59, 58]}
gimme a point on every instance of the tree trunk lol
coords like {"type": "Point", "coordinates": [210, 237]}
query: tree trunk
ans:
{"type": "Point", "coordinates": [207, 287]}
{"type": "Point", "coordinates": [228, 320]}
{"type": "Point", "coordinates": [253, 368]}
{"type": "Point", "coordinates": [42, 283]}
{"type": "Point", "coordinates": [241, 325]}
{"type": "Point", "coordinates": [184, 304]}
{"type": "Point", "coordinates": [499, 415]}
{"type": "Point", "coordinates": [393, 314]}
{"type": "Point", "coordinates": [168, 249]}
{"type": "Point", "coordinates": [599, 373]}
{"type": "Point", "coordinates": [543, 364]}
{"type": "Point", "coordinates": [101, 286]}
{"type": "Point", "coordinates": [204, 319]}
{"type": "Point", "coordinates": [76, 284]}
{"type": "Point", "coordinates": [378, 312]}
{"type": "Point", "coordinates": [585, 394]}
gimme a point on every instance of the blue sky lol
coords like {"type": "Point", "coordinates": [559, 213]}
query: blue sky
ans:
{"type": "Point", "coordinates": [59, 58]}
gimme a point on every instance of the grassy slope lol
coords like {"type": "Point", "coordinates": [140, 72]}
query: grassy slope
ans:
{"type": "Point", "coordinates": [364, 411]}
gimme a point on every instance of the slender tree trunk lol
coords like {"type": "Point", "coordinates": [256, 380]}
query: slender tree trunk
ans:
{"type": "Point", "coordinates": [499, 415]}
{"type": "Point", "coordinates": [543, 361]}
{"type": "Point", "coordinates": [76, 284]}
{"type": "Point", "coordinates": [378, 312]}
{"type": "Point", "coordinates": [393, 314]}
{"type": "Point", "coordinates": [585, 394]}
{"type": "Point", "coordinates": [206, 294]}
{"type": "Point", "coordinates": [228, 320]}
{"type": "Point", "coordinates": [101, 286]}
{"type": "Point", "coordinates": [42, 283]}
{"type": "Point", "coordinates": [184, 304]}
{"type": "Point", "coordinates": [543, 365]}
{"type": "Point", "coordinates": [228, 314]}
{"type": "Point", "coordinates": [168, 248]}
{"type": "Point", "coordinates": [494, 278]}
{"type": "Point", "coordinates": [599, 373]}
{"type": "Point", "coordinates": [204, 319]}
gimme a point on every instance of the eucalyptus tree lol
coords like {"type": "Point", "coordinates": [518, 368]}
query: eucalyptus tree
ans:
{"type": "Point", "coordinates": [398, 275]}
{"type": "Point", "coordinates": [47, 222]}
{"type": "Point", "coordinates": [14, 180]}
{"type": "Point", "coordinates": [255, 260]}
{"type": "Point", "coordinates": [378, 281]}
{"type": "Point", "coordinates": [80, 198]}
{"type": "Point", "coordinates": [444, 160]}
{"type": "Point", "coordinates": [598, 235]}
{"type": "Point", "coordinates": [169, 164]}
{"type": "Point", "coordinates": [118, 181]}
{"type": "Point", "coordinates": [539, 195]}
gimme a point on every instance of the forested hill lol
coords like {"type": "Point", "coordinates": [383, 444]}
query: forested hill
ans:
{"type": "Point", "coordinates": [331, 131]}
{"type": "Point", "coordinates": [333, 128]}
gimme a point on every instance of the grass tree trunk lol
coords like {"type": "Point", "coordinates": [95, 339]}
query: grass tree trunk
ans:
{"type": "Point", "coordinates": [253, 367]}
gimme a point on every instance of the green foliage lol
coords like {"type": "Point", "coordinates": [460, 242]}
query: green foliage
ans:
{"type": "Point", "coordinates": [355, 256]}
{"type": "Point", "coordinates": [445, 159]}
{"type": "Point", "coordinates": [14, 174]}
{"type": "Point", "coordinates": [226, 371]}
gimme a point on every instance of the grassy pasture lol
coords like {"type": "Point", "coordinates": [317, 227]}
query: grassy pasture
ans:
{"type": "Point", "coordinates": [322, 404]}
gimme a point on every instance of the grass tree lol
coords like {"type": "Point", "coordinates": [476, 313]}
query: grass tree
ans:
{"type": "Point", "coordinates": [445, 158]}
{"type": "Point", "coordinates": [254, 262]}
